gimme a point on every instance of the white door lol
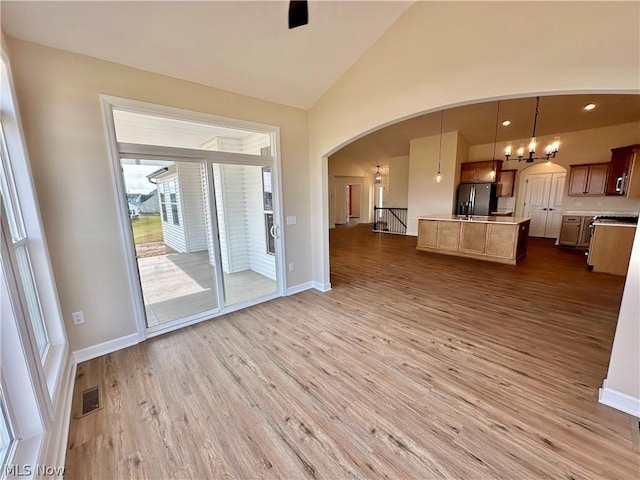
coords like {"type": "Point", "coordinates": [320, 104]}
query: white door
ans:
{"type": "Point", "coordinates": [554, 212]}
{"type": "Point", "coordinates": [537, 202]}
{"type": "Point", "coordinates": [347, 202]}
{"type": "Point", "coordinates": [332, 204]}
{"type": "Point", "coordinates": [543, 204]}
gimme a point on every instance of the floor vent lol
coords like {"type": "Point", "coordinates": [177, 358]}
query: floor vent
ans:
{"type": "Point", "coordinates": [91, 401]}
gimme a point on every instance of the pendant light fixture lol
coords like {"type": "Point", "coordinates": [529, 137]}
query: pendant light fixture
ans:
{"type": "Point", "coordinates": [492, 173]}
{"type": "Point", "coordinates": [377, 178]}
{"type": "Point", "coordinates": [550, 151]}
{"type": "Point", "coordinates": [439, 175]}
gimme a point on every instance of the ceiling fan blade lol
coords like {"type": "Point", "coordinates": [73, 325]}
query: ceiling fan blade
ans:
{"type": "Point", "coordinates": [298, 13]}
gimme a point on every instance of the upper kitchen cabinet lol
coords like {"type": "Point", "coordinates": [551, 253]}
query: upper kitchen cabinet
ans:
{"type": "Point", "coordinates": [588, 180]}
{"type": "Point", "coordinates": [479, 172]}
{"type": "Point", "coordinates": [624, 172]}
{"type": "Point", "coordinates": [506, 183]}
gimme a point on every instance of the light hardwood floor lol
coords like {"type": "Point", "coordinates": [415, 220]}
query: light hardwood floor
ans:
{"type": "Point", "coordinates": [415, 366]}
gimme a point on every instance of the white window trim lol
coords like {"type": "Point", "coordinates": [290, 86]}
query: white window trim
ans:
{"type": "Point", "coordinates": [53, 361]}
{"type": "Point", "coordinates": [38, 393]}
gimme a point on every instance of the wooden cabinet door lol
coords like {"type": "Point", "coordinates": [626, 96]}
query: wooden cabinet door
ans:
{"type": "Point", "coordinates": [448, 235]}
{"type": "Point", "coordinates": [428, 233]}
{"type": "Point", "coordinates": [473, 237]}
{"type": "Point", "coordinates": [597, 179]}
{"type": "Point", "coordinates": [618, 169]}
{"type": "Point", "coordinates": [506, 183]}
{"type": "Point", "coordinates": [578, 180]}
{"type": "Point", "coordinates": [501, 240]}
{"type": "Point", "coordinates": [585, 236]}
{"type": "Point", "coordinates": [570, 234]}
{"type": "Point", "coordinates": [468, 175]}
{"type": "Point", "coordinates": [480, 172]}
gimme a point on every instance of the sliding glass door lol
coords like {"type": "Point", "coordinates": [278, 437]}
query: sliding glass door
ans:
{"type": "Point", "coordinates": [204, 236]}
{"type": "Point", "coordinates": [171, 224]}
{"type": "Point", "coordinates": [246, 230]}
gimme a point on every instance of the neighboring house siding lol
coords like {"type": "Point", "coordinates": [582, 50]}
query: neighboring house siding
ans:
{"type": "Point", "coordinates": [173, 234]}
{"type": "Point", "coordinates": [151, 206]}
{"type": "Point", "coordinates": [192, 208]}
{"type": "Point", "coordinates": [259, 260]}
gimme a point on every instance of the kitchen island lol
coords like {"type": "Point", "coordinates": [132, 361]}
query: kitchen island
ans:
{"type": "Point", "coordinates": [494, 239]}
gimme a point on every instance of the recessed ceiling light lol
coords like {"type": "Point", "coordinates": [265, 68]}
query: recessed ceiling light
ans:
{"type": "Point", "coordinates": [506, 123]}
{"type": "Point", "coordinates": [590, 106]}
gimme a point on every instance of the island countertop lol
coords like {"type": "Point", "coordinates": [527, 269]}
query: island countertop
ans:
{"type": "Point", "coordinates": [476, 219]}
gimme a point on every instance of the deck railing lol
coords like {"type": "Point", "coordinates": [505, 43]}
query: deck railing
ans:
{"type": "Point", "coordinates": [390, 220]}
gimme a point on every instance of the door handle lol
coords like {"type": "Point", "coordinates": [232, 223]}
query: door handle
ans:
{"type": "Point", "coordinates": [551, 209]}
{"type": "Point", "coordinates": [544, 209]}
{"type": "Point", "coordinates": [272, 231]}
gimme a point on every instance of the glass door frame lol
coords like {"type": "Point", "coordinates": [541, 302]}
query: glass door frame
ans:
{"type": "Point", "coordinates": [208, 157]}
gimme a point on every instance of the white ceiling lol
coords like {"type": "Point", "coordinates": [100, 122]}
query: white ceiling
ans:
{"type": "Point", "coordinates": [477, 124]}
{"type": "Point", "coordinates": [241, 46]}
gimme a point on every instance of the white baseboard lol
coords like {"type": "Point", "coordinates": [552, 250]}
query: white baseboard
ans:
{"type": "Point", "coordinates": [323, 287]}
{"type": "Point", "coordinates": [620, 401]}
{"type": "Point", "coordinates": [104, 348]}
{"type": "Point", "coordinates": [299, 288]}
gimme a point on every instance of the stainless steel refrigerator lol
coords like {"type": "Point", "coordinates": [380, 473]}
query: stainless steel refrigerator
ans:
{"type": "Point", "coordinates": [476, 199]}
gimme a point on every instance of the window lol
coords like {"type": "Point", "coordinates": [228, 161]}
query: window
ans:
{"type": "Point", "coordinates": [35, 352]}
{"type": "Point", "coordinates": [169, 201]}
{"type": "Point", "coordinates": [267, 206]}
{"type": "Point", "coordinates": [18, 235]}
{"type": "Point", "coordinates": [6, 435]}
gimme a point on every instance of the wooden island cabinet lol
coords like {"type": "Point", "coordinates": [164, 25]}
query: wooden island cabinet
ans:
{"type": "Point", "coordinates": [495, 239]}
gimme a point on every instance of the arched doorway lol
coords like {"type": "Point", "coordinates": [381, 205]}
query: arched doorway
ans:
{"type": "Point", "coordinates": [540, 194]}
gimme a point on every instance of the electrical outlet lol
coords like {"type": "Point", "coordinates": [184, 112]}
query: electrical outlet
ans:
{"type": "Point", "coordinates": [291, 267]}
{"type": "Point", "coordinates": [78, 317]}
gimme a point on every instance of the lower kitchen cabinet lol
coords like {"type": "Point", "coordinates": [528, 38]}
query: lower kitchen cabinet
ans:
{"type": "Point", "coordinates": [448, 236]}
{"type": "Point", "coordinates": [610, 249]}
{"type": "Point", "coordinates": [428, 233]}
{"type": "Point", "coordinates": [473, 237]}
{"type": "Point", "coordinates": [575, 231]}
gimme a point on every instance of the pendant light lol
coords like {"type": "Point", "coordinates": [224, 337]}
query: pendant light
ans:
{"type": "Point", "coordinates": [377, 178]}
{"type": "Point", "coordinates": [439, 175]}
{"type": "Point", "coordinates": [550, 151]}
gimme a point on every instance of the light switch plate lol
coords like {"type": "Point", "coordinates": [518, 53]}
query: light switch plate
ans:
{"type": "Point", "coordinates": [291, 220]}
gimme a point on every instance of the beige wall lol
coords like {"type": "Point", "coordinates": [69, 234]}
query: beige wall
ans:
{"type": "Point", "coordinates": [58, 98]}
{"type": "Point", "coordinates": [624, 365]}
{"type": "Point", "coordinates": [398, 194]}
{"type": "Point", "coordinates": [440, 54]}
{"type": "Point", "coordinates": [426, 196]}
{"type": "Point", "coordinates": [340, 183]}
{"type": "Point", "coordinates": [585, 146]}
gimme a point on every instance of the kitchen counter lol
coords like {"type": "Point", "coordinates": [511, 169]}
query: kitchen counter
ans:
{"type": "Point", "coordinates": [494, 239]}
{"type": "Point", "coordinates": [477, 219]}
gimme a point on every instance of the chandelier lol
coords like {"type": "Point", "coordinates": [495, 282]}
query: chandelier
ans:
{"type": "Point", "coordinates": [550, 151]}
{"type": "Point", "coordinates": [377, 178]}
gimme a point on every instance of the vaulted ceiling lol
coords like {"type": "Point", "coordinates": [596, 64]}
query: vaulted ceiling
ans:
{"type": "Point", "coordinates": [246, 47]}
{"type": "Point", "coordinates": [240, 46]}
